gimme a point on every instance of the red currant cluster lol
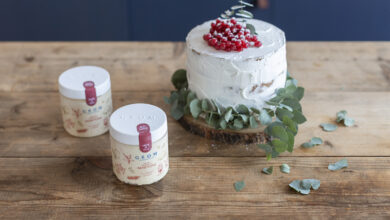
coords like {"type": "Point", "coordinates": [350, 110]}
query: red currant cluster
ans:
{"type": "Point", "coordinates": [229, 35]}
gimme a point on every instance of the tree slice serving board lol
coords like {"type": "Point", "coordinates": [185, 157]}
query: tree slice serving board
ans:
{"type": "Point", "coordinates": [243, 136]}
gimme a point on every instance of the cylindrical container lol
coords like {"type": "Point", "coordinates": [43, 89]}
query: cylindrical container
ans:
{"type": "Point", "coordinates": [139, 144]}
{"type": "Point", "coordinates": [86, 103]}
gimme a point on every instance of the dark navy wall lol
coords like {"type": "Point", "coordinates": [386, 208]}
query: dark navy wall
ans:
{"type": "Point", "coordinates": [170, 20]}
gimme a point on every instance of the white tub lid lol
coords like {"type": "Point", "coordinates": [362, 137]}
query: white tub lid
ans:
{"type": "Point", "coordinates": [71, 81]}
{"type": "Point", "coordinates": [124, 121]}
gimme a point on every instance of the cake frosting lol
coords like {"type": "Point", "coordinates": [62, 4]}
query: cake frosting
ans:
{"type": "Point", "coordinates": [250, 77]}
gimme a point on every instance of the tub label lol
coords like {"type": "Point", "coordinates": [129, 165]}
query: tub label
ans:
{"type": "Point", "coordinates": [90, 93]}
{"type": "Point", "coordinates": [144, 138]}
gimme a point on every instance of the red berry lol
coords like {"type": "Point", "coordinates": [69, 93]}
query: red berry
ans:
{"type": "Point", "coordinates": [207, 36]}
{"type": "Point", "coordinates": [258, 44]}
{"type": "Point", "coordinates": [254, 38]}
{"type": "Point", "coordinates": [237, 43]}
{"type": "Point", "coordinates": [233, 21]}
{"type": "Point", "coordinates": [238, 26]}
{"type": "Point", "coordinates": [218, 21]}
{"type": "Point", "coordinates": [222, 46]}
{"type": "Point", "coordinates": [213, 41]}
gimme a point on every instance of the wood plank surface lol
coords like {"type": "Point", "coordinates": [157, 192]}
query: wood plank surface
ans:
{"type": "Point", "coordinates": [193, 188]}
{"type": "Point", "coordinates": [31, 126]}
{"type": "Point", "coordinates": [322, 66]}
{"type": "Point", "coordinates": [47, 174]}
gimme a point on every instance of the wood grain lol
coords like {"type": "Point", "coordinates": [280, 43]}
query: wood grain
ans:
{"type": "Point", "coordinates": [47, 174]}
{"type": "Point", "coordinates": [31, 126]}
{"type": "Point", "coordinates": [322, 66]}
{"type": "Point", "coordinates": [193, 188]}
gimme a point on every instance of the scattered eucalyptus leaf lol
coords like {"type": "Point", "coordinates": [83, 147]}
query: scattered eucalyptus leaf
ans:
{"type": "Point", "coordinates": [239, 185]}
{"type": "Point", "coordinates": [313, 142]}
{"type": "Point", "coordinates": [268, 170]}
{"type": "Point", "coordinates": [328, 127]}
{"type": "Point", "coordinates": [264, 117]}
{"type": "Point", "coordinates": [338, 165]}
{"type": "Point", "coordinates": [304, 186]}
{"type": "Point", "coordinates": [342, 117]}
{"type": "Point", "coordinates": [251, 28]}
{"type": "Point", "coordinates": [285, 168]}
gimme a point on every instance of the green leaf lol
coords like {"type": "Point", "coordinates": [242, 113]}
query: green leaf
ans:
{"type": "Point", "coordinates": [290, 143]}
{"type": "Point", "coordinates": [239, 185]}
{"type": "Point", "coordinates": [245, 3]}
{"type": "Point", "coordinates": [179, 79]}
{"type": "Point", "coordinates": [285, 168]}
{"type": "Point", "coordinates": [235, 7]}
{"type": "Point", "coordinates": [246, 13]}
{"type": "Point", "coordinates": [279, 132]}
{"type": "Point", "coordinates": [268, 150]}
{"type": "Point", "coordinates": [176, 111]}
{"type": "Point", "coordinates": [244, 118]}
{"type": "Point", "coordinates": [268, 129]}
{"type": "Point", "coordinates": [252, 122]}
{"type": "Point", "coordinates": [290, 124]}
{"type": "Point", "coordinates": [279, 145]}
{"type": "Point", "coordinates": [298, 117]}
{"type": "Point", "coordinates": [338, 165]}
{"type": "Point", "coordinates": [190, 96]}
{"type": "Point", "coordinates": [222, 123]}
{"type": "Point", "coordinates": [255, 110]}
{"type": "Point", "coordinates": [264, 117]}
{"type": "Point", "coordinates": [299, 92]}
{"type": "Point", "coordinates": [206, 105]}
{"type": "Point", "coordinates": [237, 124]}
{"type": "Point", "coordinates": [212, 119]}
{"type": "Point", "coordinates": [228, 115]}
{"type": "Point", "coordinates": [328, 127]}
{"type": "Point", "coordinates": [242, 109]}
{"type": "Point", "coordinates": [290, 90]}
{"type": "Point", "coordinates": [280, 113]}
{"type": "Point", "coordinates": [313, 142]}
{"type": "Point", "coordinates": [268, 170]}
{"type": "Point", "coordinates": [342, 117]}
{"type": "Point", "coordinates": [251, 28]}
{"type": "Point", "coordinates": [195, 108]}
{"type": "Point", "coordinates": [293, 103]}
{"type": "Point", "coordinates": [304, 186]}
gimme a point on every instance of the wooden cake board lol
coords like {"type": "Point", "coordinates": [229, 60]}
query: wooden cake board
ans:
{"type": "Point", "coordinates": [243, 136]}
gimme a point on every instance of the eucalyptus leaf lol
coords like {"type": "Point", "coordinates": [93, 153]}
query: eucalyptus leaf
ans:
{"type": "Point", "coordinates": [279, 132]}
{"type": "Point", "coordinates": [195, 108]}
{"type": "Point", "coordinates": [228, 115]}
{"type": "Point", "coordinates": [285, 168]}
{"type": "Point", "coordinates": [290, 143]}
{"type": "Point", "coordinates": [237, 124]}
{"type": "Point", "coordinates": [206, 105]}
{"type": "Point", "coordinates": [268, 170]}
{"type": "Point", "coordinates": [245, 12]}
{"type": "Point", "coordinates": [235, 7]}
{"type": "Point", "coordinates": [222, 123]}
{"type": "Point", "coordinates": [290, 124]}
{"type": "Point", "coordinates": [299, 92]}
{"type": "Point", "coordinates": [279, 145]}
{"type": "Point", "coordinates": [313, 142]}
{"type": "Point", "coordinates": [179, 79]}
{"type": "Point", "coordinates": [176, 111]}
{"type": "Point", "coordinates": [252, 122]}
{"type": "Point", "coordinates": [191, 96]}
{"type": "Point", "coordinates": [293, 103]}
{"type": "Point", "coordinates": [328, 127]}
{"type": "Point", "coordinates": [280, 113]}
{"type": "Point", "coordinates": [342, 117]}
{"type": "Point", "coordinates": [244, 118]}
{"type": "Point", "coordinates": [264, 117]}
{"type": "Point", "coordinates": [304, 186]}
{"type": "Point", "coordinates": [239, 185]}
{"type": "Point", "coordinates": [242, 109]}
{"type": "Point", "coordinates": [251, 28]}
{"type": "Point", "coordinates": [298, 117]}
{"type": "Point", "coordinates": [338, 165]}
{"type": "Point", "coordinates": [255, 110]}
{"type": "Point", "coordinates": [245, 3]}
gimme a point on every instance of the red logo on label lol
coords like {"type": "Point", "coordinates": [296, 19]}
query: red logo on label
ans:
{"type": "Point", "coordinates": [144, 137]}
{"type": "Point", "coordinates": [90, 93]}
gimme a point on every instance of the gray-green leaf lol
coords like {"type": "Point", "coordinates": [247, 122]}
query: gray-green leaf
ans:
{"type": "Point", "coordinates": [195, 108]}
{"type": "Point", "coordinates": [264, 117]}
{"type": "Point", "coordinates": [268, 170]}
{"type": "Point", "coordinates": [279, 145]}
{"type": "Point", "coordinates": [304, 186]}
{"type": "Point", "coordinates": [342, 117]}
{"type": "Point", "coordinates": [242, 109]}
{"type": "Point", "coordinates": [238, 124]}
{"type": "Point", "coordinates": [239, 185]}
{"type": "Point", "coordinates": [252, 122]}
{"type": "Point", "coordinates": [228, 115]}
{"type": "Point", "coordinates": [279, 132]}
{"type": "Point", "coordinates": [338, 165]}
{"type": "Point", "coordinates": [313, 142]}
{"type": "Point", "coordinates": [285, 168]}
{"type": "Point", "coordinates": [328, 127]}
{"type": "Point", "coordinates": [179, 79]}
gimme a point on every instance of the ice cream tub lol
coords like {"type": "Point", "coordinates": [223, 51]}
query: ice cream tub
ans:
{"type": "Point", "coordinates": [86, 103]}
{"type": "Point", "coordinates": [139, 144]}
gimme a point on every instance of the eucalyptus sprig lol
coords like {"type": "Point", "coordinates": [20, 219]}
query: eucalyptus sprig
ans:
{"type": "Point", "coordinates": [284, 107]}
{"type": "Point", "coordinates": [239, 11]}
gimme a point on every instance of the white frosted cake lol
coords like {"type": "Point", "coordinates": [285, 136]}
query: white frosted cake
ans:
{"type": "Point", "coordinates": [249, 77]}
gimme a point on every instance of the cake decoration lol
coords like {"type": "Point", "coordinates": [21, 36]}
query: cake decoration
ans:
{"type": "Point", "coordinates": [244, 97]}
{"type": "Point", "coordinates": [230, 34]}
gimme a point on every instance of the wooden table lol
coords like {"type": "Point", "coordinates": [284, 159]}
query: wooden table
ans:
{"type": "Point", "coordinates": [46, 173]}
